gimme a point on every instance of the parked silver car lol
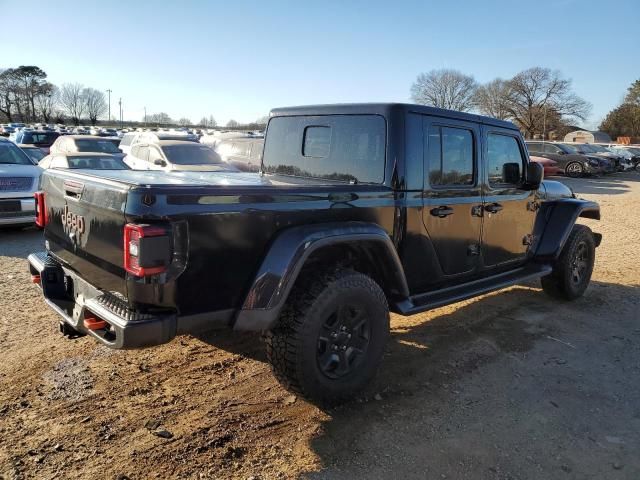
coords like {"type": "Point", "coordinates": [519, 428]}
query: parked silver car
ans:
{"type": "Point", "coordinates": [19, 180]}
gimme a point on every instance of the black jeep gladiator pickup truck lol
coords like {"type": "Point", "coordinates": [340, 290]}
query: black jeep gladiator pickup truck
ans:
{"type": "Point", "coordinates": [358, 210]}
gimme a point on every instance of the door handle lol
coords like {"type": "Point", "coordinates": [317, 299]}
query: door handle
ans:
{"type": "Point", "coordinates": [441, 212]}
{"type": "Point", "coordinates": [493, 208]}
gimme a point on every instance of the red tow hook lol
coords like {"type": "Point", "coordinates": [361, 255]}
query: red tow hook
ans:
{"type": "Point", "coordinates": [92, 322]}
{"type": "Point", "coordinates": [35, 279]}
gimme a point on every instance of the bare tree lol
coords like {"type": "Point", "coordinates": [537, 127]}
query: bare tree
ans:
{"type": "Point", "coordinates": [203, 122]}
{"type": "Point", "coordinates": [535, 92]}
{"type": "Point", "coordinates": [72, 101]}
{"type": "Point", "coordinates": [47, 102]}
{"type": "Point", "coordinates": [184, 122]}
{"type": "Point", "coordinates": [94, 104]}
{"type": "Point", "coordinates": [232, 124]}
{"type": "Point", "coordinates": [212, 122]}
{"type": "Point", "coordinates": [262, 121]}
{"type": "Point", "coordinates": [492, 99]}
{"type": "Point", "coordinates": [444, 89]}
{"type": "Point", "coordinates": [160, 118]}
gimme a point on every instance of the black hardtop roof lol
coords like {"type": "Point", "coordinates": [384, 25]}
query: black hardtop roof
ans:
{"type": "Point", "coordinates": [386, 109]}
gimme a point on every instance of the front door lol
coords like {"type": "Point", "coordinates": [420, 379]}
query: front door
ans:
{"type": "Point", "coordinates": [452, 197]}
{"type": "Point", "coordinates": [509, 211]}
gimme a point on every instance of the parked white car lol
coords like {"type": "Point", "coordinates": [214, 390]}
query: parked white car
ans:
{"type": "Point", "coordinates": [86, 144]}
{"type": "Point", "coordinates": [175, 155]}
{"type": "Point", "coordinates": [19, 180]}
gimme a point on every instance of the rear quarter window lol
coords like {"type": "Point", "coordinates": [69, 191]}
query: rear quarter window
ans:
{"type": "Point", "coordinates": [333, 147]}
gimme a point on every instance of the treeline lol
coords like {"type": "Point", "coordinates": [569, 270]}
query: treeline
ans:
{"type": "Point", "coordinates": [624, 120]}
{"type": "Point", "coordinates": [538, 100]}
{"type": "Point", "coordinates": [164, 120]}
{"type": "Point", "coordinates": [27, 96]}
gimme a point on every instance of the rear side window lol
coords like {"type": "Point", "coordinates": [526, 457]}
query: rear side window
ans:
{"type": "Point", "coordinates": [504, 160]}
{"type": "Point", "coordinates": [534, 147]}
{"type": "Point", "coordinates": [450, 156]}
{"type": "Point", "coordinates": [347, 148]}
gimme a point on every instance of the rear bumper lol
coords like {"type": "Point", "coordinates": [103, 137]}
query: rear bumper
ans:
{"type": "Point", "coordinates": [74, 299]}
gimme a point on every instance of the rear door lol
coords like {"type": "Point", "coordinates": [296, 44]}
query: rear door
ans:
{"type": "Point", "coordinates": [452, 194]}
{"type": "Point", "coordinates": [509, 210]}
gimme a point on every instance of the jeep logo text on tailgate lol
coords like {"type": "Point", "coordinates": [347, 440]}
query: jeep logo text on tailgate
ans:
{"type": "Point", "coordinates": [72, 222]}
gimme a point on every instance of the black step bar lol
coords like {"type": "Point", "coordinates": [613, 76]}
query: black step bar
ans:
{"type": "Point", "coordinates": [446, 296]}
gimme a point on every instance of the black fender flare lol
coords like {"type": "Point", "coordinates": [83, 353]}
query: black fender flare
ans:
{"type": "Point", "coordinates": [554, 223]}
{"type": "Point", "coordinates": [289, 252]}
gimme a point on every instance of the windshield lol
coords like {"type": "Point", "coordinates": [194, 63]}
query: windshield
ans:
{"type": "Point", "coordinates": [34, 154]}
{"type": "Point", "coordinates": [39, 138]}
{"type": "Point", "coordinates": [191, 155]}
{"type": "Point", "coordinates": [96, 162]}
{"type": "Point", "coordinates": [12, 155]}
{"type": "Point", "coordinates": [569, 148]}
{"type": "Point", "coordinates": [93, 145]}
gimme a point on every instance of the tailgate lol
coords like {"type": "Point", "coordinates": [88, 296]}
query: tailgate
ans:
{"type": "Point", "coordinates": [85, 223]}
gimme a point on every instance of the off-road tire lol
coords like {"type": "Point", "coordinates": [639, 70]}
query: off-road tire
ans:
{"type": "Point", "coordinates": [561, 282]}
{"type": "Point", "coordinates": [294, 344]}
{"type": "Point", "coordinates": [574, 173]}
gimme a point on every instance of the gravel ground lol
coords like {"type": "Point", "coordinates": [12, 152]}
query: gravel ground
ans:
{"type": "Point", "coordinates": [512, 385]}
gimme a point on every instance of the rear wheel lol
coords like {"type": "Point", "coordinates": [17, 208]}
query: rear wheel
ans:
{"type": "Point", "coordinates": [572, 272]}
{"type": "Point", "coordinates": [574, 170]}
{"type": "Point", "coordinates": [330, 337]}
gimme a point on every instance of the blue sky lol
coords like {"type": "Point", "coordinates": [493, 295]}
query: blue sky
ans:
{"type": "Point", "coordinates": [239, 59]}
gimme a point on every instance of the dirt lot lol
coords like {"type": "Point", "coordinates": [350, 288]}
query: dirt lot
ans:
{"type": "Point", "coordinates": [512, 385]}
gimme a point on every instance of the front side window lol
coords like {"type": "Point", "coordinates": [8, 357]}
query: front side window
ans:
{"type": "Point", "coordinates": [504, 160]}
{"type": "Point", "coordinates": [154, 154]}
{"type": "Point", "coordinates": [143, 153]}
{"type": "Point", "coordinates": [549, 148]}
{"type": "Point", "coordinates": [345, 148]}
{"type": "Point", "coordinates": [450, 154]}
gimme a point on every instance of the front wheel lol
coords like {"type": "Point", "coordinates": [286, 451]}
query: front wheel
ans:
{"type": "Point", "coordinates": [330, 337]}
{"type": "Point", "coordinates": [574, 170]}
{"type": "Point", "coordinates": [572, 271]}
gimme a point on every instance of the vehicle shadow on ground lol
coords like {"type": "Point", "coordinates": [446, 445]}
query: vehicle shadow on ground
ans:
{"type": "Point", "coordinates": [20, 242]}
{"type": "Point", "coordinates": [613, 184]}
{"type": "Point", "coordinates": [488, 327]}
{"type": "Point", "coordinates": [427, 359]}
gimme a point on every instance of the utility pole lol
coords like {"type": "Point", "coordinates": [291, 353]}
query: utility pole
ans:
{"type": "Point", "coordinates": [120, 105]}
{"type": "Point", "coordinates": [109, 92]}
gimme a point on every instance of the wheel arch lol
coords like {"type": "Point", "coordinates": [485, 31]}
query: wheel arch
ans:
{"type": "Point", "coordinates": [361, 246]}
{"type": "Point", "coordinates": [554, 223]}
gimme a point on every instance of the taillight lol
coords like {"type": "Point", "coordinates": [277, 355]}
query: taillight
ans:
{"type": "Point", "coordinates": [41, 210]}
{"type": "Point", "coordinates": [147, 249]}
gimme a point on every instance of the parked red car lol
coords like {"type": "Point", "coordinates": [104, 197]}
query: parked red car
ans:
{"type": "Point", "coordinates": [550, 166]}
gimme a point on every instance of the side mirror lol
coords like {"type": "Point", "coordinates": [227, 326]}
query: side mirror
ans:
{"type": "Point", "coordinates": [160, 162]}
{"type": "Point", "coordinates": [511, 173]}
{"type": "Point", "coordinates": [534, 176]}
